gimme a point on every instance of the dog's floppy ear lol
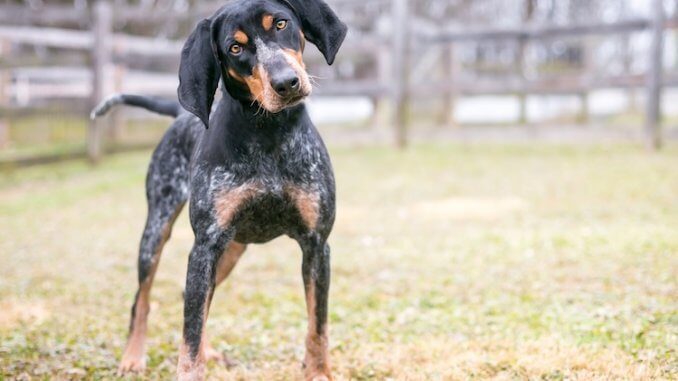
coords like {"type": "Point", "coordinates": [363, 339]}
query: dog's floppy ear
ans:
{"type": "Point", "coordinates": [320, 25]}
{"type": "Point", "coordinates": [199, 72]}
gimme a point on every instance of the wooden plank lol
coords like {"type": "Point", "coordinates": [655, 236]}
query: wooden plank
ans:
{"type": "Point", "coordinates": [446, 115]}
{"type": "Point", "coordinates": [52, 14]}
{"type": "Point", "coordinates": [101, 61]}
{"type": "Point", "coordinates": [83, 40]}
{"type": "Point", "coordinates": [538, 32]}
{"type": "Point", "coordinates": [69, 15]}
{"type": "Point", "coordinates": [401, 68]}
{"type": "Point", "coordinates": [164, 84]}
{"type": "Point", "coordinates": [5, 79]}
{"type": "Point", "coordinates": [353, 88]}
{"type": "Point", "coordinates": [49, 37]}
{"type": "Point", "coordinates": [654, 78]}
{"type": "Point", "coordinates": [46, 83]}
{"type": "Point", "coordinates": [381, 98]}
{"type": "Point", "coordinates": [529, 6]}
{"type": "Point", "coordinates": [146, 46]}
{"type": "Point", "coordinates": [116, 124]}
{"type": "Point", "coordinates": [553, 86]}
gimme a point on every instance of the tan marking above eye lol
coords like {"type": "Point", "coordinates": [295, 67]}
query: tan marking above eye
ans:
{"type": "Point", "coordinates": [267, 22]}
{"type": "Point", "coordinates": [241, 37]}
{"type": "Point", "coordinates": [281, 24]}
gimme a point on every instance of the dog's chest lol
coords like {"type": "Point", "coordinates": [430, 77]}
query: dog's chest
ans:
{"type": "Point", "coordinates": [260, 211]}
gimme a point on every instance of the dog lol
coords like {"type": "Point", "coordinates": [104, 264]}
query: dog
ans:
{"type": "Point", "coordinates": [253, 169]}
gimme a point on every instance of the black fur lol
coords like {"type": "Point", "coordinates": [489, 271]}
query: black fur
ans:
{"type": "Point", "coordinates": [243, 145]}
{"type": "Point", "coordinates": [321, 26]}
{"type": "Point", "coordinates": [157, 105]}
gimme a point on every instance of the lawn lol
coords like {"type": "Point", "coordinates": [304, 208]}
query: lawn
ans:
{"type": "Point", "coordinates": [450, 262]}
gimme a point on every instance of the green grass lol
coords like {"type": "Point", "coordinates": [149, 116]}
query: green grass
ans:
{"type": "Point", "coordinates": [450, 261]}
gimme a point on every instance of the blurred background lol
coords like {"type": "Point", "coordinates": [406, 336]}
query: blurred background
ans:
{"type": "Point", "coordinates": [571, 70]}
{"type": "Point", "coordinates": [507, 194]}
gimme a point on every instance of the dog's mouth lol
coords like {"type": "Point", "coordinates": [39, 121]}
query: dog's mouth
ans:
{"type": "Point", "coordinates": [294, 100]}
{"type": "Point", "coordinates": [287, 102]}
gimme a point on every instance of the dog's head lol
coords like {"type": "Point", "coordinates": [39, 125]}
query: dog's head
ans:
{"type": "Point", "coordinates": [256, 47]}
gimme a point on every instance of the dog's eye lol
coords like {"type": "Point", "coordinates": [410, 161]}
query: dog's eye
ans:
{"type": "Point", "coordinates": [281, 24]}
{"type": "Point", "coordinates": [235, 49]}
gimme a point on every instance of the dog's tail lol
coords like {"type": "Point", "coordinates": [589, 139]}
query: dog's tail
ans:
{"type": "Point", "coordinates": [157, 105]}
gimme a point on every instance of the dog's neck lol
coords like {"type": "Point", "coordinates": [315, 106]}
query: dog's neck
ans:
{"type": "Point", "coordinates": [246, 124]}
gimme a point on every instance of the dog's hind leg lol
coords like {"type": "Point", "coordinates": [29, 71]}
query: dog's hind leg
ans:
{"type": "Point", "coordinates": [167, 192]}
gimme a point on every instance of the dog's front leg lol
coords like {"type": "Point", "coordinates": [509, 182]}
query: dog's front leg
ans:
{"type": "Point", "coordinates": [316, 274]}
{"type": "Point", "coordinates": [200, 281]}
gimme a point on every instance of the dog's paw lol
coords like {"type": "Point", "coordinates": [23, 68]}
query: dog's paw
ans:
{"type": "Point", "coordinates": [317, 375]}
{"type": "Point", "coordinates": [315, 371]}
{"type": "Point", "coordinates": [131, 364]}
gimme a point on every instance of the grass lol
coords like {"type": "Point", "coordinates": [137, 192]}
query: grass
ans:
{"type": "Point", "coordinates": [450, 261]}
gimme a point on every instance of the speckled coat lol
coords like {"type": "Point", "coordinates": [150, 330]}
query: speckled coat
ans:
{"type": "Point", "coordinates": [258, 172]}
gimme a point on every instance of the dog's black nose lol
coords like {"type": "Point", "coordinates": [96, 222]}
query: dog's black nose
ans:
{"type": "Point", "coordinates": [285, 83]}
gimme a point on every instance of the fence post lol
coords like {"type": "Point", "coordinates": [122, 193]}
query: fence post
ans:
{"type": "Point", "coordinates": [116, 119]}
{"type": "Point", "coordinates": [102, 33]}
{"type": "Point", "coordinates": [381, 116]}
{"type": "Point", "coordinates": [401, 67]}
{"type": "Point", "coordinates": [589, 67]}
{"type": "Point", "coordinates": [528, 9]}
{"type": "Point", "coordinates": [522, 95]}
{"type": "Point", "coordinates": [446, 117]}
{"type": "Point", "coordinates": [4, 98]}
{"type": "Point", "coordinates": [654, 78]}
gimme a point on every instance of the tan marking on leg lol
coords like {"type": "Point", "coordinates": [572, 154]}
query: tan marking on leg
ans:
{"type": "Point", "coordinates": [240, 37]}
{"type": "Point", "coordinates": [267, 22]}
{"type": "Point", "coordinates": [316, 361]}
{"type": "Point", "coordinates": [133, 358]}
{"type": "Point", "coordinates": [307, 203]}
{"type": "Point", "coordinates": [227, 202]}
{"type": "Point", "coordinates": [226, 264]}
{"type": "Point", "coordinates": [228, 260]}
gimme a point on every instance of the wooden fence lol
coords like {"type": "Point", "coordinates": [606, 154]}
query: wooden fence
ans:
{"type": "Point", "coordinates": [395, 54]}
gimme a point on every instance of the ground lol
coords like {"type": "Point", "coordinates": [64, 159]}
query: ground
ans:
{"type": "Point", "coordinates": [450, 261]}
